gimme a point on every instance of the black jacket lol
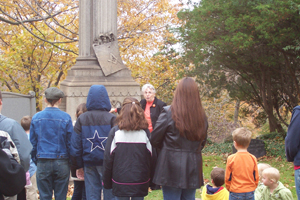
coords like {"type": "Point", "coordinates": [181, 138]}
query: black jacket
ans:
{"type": "Point", "coordinates": [127, 162]}
{"type": "Point", "coordinates": [179, 162]}
{"type": "Point", "coordinates": [12, 176]}
{"type": "Point", "coordinates": [155, 109]}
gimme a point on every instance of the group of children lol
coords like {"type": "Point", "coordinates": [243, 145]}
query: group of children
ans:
{"type": "Point", "coordinates": [243, 177]}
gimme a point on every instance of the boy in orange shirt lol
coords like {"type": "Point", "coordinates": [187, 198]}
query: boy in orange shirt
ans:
{"type": "Point", "coordinates": [241, 175]}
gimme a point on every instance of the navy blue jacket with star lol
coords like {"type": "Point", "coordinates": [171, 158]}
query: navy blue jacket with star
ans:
{"type": "Point", "coordinates": [91, 129]}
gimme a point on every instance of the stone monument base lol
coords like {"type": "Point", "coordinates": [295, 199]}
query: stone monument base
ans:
{"type": "Point", "coordinates": [86, 73]}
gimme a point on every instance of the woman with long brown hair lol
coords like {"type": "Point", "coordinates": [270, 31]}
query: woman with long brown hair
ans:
{"type": "Point", "coordinates": [127, 157]}
{"type": "Point", "coordinates": [180, 132]}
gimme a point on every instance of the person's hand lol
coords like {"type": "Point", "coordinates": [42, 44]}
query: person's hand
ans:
{"type": "Point", "coordinates": [80, 173]}
{"type": "Point", "coordinates": [112, 110]}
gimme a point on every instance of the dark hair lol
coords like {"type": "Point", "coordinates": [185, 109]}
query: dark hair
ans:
{"type": "Point", "coordinates": [218, 176]}
{"type": "Point", "coordinates": [25, 122]}
{"type": "Point", "coordinates": [131, 116]}
{"type": "Point", "coordinates": [0, 95]}
{"type": "Point", "coordinates": [81, 108]}
{"type": "Point", "coordinates": [52, 101]}
{"type": "Point", "coordinates": [187, 111]}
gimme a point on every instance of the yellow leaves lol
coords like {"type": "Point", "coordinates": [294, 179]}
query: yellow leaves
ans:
{"type": "Point", "coordinates": [142, 29]}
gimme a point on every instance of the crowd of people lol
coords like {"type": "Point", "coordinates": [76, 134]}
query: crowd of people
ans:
{"type": "Point", "coordinates": [147, 145]}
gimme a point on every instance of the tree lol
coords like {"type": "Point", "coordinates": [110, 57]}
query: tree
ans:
{"type": "Point", "coordinates": [28, 63]}
{"type": "Point", "coordinates": [146, 43]}
{"type": "Point", "coordinates": [38, 43]}
{"type": "Point", "coordinates": [239, 46]}
{"type": "Point", "coordinates": [59, 18]}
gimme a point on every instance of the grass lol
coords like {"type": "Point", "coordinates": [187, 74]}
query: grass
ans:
{"type": "Point", "coordinates": [210, 161]}
{"type": "Point", "coordinates": [215, 155]}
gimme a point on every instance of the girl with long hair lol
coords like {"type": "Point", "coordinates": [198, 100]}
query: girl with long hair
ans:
{"type": "Point", "coordinates": [180, 132]}
{"type": "Point", "coordinates": [127, 156]}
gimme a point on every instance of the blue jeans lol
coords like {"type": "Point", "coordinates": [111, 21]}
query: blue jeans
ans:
{"type": "Point", "coordinates": [79, 191]}
{"type": "Point", "coordinates": [171, 193]}
{"type": "Point", "coordinates": [297, 182]}
{"type": "Point", "coordinates": [93, 184]}
{"type": "Point", "coordinates": [52, 174]}
{"type": "Point", "coordinates": [241, 196]}
{"type": "Point", "coordinates": [128, 198]}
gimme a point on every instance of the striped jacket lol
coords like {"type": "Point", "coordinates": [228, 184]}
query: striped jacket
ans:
{"type": "Point", "coordinates": [127, 162]}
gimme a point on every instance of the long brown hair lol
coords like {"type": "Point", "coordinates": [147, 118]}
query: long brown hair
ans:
{"type": "Point", "coordinates": [187, 111]}
{"type": "Point", "coordinates": [131, 116]}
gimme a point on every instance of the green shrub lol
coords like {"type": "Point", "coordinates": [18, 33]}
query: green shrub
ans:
{"type": "Point", "coordinates": [274, 144]}
{"type": "Point", "coordinates": [218, 148]}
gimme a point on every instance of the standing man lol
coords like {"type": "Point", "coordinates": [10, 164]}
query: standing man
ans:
{"type": "Point", "coordinates": [292, 146]}
{"type": "Point", "coordinates": [18, 136]}
{"type": "Point", "coordinates": [50, 135]}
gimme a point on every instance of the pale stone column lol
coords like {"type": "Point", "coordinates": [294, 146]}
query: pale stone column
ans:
{"type": "Point", "coordinates": [96, 18]}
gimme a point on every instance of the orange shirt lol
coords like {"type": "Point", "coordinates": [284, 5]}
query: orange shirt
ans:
{"type": "Point", "coordinates": [241, 173]}
{"type": "Point", "coordinates": [148, 115]}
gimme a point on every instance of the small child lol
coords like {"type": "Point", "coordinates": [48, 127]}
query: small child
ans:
{"type": "Point", "coordinates": [216, 191]}
{"type": "Point", "coordinates": [241, 175]}
{"type": "Point", "coordinates": [127, 157]}
{"type": "Point", "coordinates": [79, 188]}
{"type": "Point", "coordinates": [31, 190]}
{"type": "Point", "coordinates": [261, 167]}
{"type": "Point", "coordinates": [274, 188]}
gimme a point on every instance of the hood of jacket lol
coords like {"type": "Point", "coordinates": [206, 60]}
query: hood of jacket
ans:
{"type": "Point", "coordinates": [222, 194]}
{"type": "Point", "coordinates": [98, 99]}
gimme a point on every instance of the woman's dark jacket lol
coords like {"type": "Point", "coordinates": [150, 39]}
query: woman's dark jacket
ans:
{"type": "Point", "coordinates": [127, 162]}
{"type": "Point", "coordinates": [179, 162]}
{"type": "Point", "coordinates": [155, 109]}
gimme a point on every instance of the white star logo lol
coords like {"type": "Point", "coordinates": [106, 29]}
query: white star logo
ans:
{"type": "Point", "coordinates": [97, 141]}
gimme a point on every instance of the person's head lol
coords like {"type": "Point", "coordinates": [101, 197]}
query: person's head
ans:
{"type": "Point", "coordinates": [242, 137]}
{"type": "Point", "coordinates": [53, 96]}
{"type": "Point", "coordinates": [261, 167]}
{"type": "Point", "coordinates": [187, 111]}
{"type": "Point", "coordinates": [149, 92]}
{"type": "Point", "coordinates": [270, 176]}
{"type": "Point", "coordinates": [81, 108]}
{"type": "Point", "coordinates": [131, 116]}
{"type": "Point", "coordinates": [217, 176]}
{"type": "Point", "coordinates": [98, 99]}
{"type": "Point", "coordinates": [25, 122]}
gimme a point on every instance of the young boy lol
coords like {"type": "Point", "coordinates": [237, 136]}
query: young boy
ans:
{"type": "Point", "coordinates": [241, 175]}
{"type": "Point", "coordinates": [31, 190]}
{"type": "Point", "coordinates": [261, 167]}
{"type": "Point", "coordinates": [50, 135]}
{"type": "Point", "coordinates": [274, 188]}
{"type": "Point", "coordinates": [216, 191]}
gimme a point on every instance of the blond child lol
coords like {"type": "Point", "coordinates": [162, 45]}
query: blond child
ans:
{"type": "Point", "coordinates": [216, 191]}
{"type": "Point", "coordinates": [241, 175]}
{"type": "Point", "coordinates": [261, 167]}
{"type": "Point", "coordinates": [274, 188]}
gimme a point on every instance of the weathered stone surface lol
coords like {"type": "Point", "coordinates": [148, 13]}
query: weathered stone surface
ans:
{"type": "Point", "coordinates": [256, 147]}
{"type": "Point", "coordinates": [16, 105]}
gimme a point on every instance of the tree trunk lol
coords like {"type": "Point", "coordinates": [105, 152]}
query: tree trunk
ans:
{"type": "Point", "coordinates": [236, 111]}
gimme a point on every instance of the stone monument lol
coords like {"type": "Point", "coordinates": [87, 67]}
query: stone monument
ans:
{"type": "Point", "coordinates": [99, 60]}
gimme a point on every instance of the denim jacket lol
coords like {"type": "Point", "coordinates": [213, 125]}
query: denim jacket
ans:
{"type": "Point", "coordinates": [50, 134]}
